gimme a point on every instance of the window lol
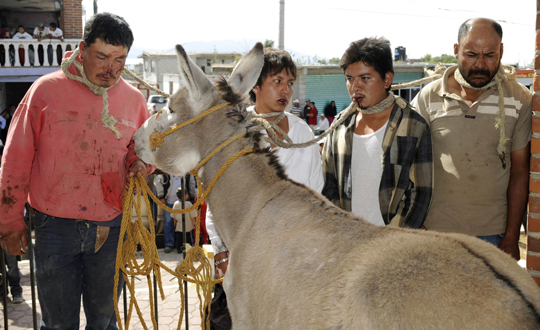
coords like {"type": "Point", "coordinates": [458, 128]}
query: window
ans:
{"type": "Point", "coordinates": [222, 61]}
{"type": "Point", "coordinates": [203, 68]}
{"type": "Point", "coordinates": [208, 62]}
{"type": "Point", "coordinates": [171, 84]}
{"type": "Point", "coordinates": [153, 67]}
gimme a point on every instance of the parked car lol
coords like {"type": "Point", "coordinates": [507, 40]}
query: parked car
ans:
{"type": "Point", "coordinates": [156, 102]}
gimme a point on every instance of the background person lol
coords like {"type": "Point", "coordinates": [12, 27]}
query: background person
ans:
{"type": "Point", "coordinates": [330, 111]}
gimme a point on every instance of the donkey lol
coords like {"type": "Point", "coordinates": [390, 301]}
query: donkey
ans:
{"type": "Point", "coordinates": [299, 262]}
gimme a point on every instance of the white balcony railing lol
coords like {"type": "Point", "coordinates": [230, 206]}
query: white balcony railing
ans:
{"type": "Point", "coordinates": [32, 53]}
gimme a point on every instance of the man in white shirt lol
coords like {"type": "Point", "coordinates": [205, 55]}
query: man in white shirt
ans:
{"type": "Point", "coordinates": [54, 33]}
{"type": "Point", "coordinates": [323, 125]}
{"type": "Point", "coordinates": [22, 35]}
{"type": "Point", "coordinates": [40, 32]}
{"type": "Point", "coordinates": [378, 162]}
{"type": "Point", "coordinates": [272, 93]}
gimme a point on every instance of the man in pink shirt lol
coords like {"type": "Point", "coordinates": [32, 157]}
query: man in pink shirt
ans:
{"type": "Point", "coordinates": [68, 154]}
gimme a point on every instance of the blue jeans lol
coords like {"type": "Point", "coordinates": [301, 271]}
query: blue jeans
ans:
{"type": "Point", "coordinates": [493, 239]}
{"type": "Point", "coordinates": [13, 275]}
{"type": "Point", "coordinates": [169, 228]}
{"type": "Point", "coordinates": [67, 267]}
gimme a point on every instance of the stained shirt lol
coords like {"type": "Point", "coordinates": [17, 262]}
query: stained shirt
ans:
{"type": "Point", "coordinates": [471, 186]}
{"type": "Point", "coordinates": [61, 159]}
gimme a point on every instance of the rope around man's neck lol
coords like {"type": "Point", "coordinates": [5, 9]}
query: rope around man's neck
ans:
{"type": "Point", "coordinates": [107, 120]}
{"type": "Point", "coordinates": [272, 126]}
{"type": "Point", "coordinates": [500, 119]}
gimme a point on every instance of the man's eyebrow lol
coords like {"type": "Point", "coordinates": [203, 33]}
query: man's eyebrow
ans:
{"type": "Point", "coordinates": [105, 55]}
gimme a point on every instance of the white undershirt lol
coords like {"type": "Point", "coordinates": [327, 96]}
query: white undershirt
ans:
{"type": "Point", "coordinates": [366, 168]}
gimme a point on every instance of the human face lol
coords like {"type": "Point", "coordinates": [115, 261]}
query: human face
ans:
{"type": "Point", "coordinates": [21, 30]}
{"type": "Point", "coordinates": [479, 54]}
{"type": "Point", "coordinates": [274, 93]}
{"type": "Point", "coordinates": [365, 85]}
{"type": "Point", "coordinates": [103, 63]}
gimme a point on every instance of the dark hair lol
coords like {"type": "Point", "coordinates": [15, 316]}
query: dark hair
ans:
{"type": "Point", "coordinates": [275, 61]}
{"type": "Point", "coordinates": [467, 26]}
{"type": "Point", "coordinates": [179, 193]}
{"type": "Point", "coordinates": [20, 26]}
{"type": "Point", "coordinates": [111, 28]}
{"type": "Point", "coordinates": [372, 51]}
{"type": "Point", "coordinates": [52, 24]}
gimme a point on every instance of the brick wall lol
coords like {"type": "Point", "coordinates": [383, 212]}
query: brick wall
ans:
{"type": "Point", "coordinates": [533, 238]}
{"type": "Point", "coordinates": [71, 19]}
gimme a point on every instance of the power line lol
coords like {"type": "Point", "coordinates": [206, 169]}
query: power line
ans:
{"type": "Point", "coordinates": [417, 15]}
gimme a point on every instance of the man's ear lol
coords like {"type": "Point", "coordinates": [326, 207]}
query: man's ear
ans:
{"type": "Point", "coordinates": [456, 50]}
{"type": "Point", "coordinates": [388, 78]}
{"type": "Point", "coordinates": [502, 49]}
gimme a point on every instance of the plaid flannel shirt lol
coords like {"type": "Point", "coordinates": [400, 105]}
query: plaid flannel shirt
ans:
{"type": "Point", "coordinates": [407, 167]}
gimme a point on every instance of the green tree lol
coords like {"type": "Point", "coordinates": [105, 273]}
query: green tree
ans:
{"type": "Point", "coordinates": [268, 43]}
{"type": "Point", "coordinates": [444, 58]}
{"type": "Point", "coordinates": [323, 61]}
{"type": "Point", "coordinates": [426, 58]}
{"type": "Point", "coordinates": [334, 60]}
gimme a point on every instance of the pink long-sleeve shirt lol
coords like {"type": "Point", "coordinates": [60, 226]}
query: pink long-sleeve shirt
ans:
{"type": "Point", "coordinates": [61, 159]}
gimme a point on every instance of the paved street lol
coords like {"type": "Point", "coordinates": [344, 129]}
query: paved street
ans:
{"type": "Point", "coordinates": [20, 316]}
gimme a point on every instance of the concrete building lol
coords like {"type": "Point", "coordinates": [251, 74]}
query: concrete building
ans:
{"type": "Point", "coordinates": [15, 77]}
{"type": "Point", "coordinates": [157, 65]}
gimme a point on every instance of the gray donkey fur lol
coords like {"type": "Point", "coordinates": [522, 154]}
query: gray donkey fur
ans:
{"type": "Point", "coordinates": [299, 262]}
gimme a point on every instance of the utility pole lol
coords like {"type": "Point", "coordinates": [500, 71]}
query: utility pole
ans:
{"type": "Point", "coordinates": [281, 41]}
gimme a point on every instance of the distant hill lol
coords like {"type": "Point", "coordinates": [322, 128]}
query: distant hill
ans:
{"type": "Point", "coordinates": [241, 46]}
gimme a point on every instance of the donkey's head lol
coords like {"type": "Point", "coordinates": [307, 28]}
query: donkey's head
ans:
{"type": "Point", "coordinates": [184, 148]}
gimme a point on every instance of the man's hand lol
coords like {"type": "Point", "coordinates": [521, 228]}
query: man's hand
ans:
{"type": "Point", "coordinates": [138, 166]}
{"type": "Point", "coordinates": [222, 267]}
{"type": "Point", "coordinates": [511, 247]}
{"type": "Point", "coordinates": [12, 243]}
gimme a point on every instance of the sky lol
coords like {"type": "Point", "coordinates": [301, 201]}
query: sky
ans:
{"type": "Point", "coordinates": [325, 29]}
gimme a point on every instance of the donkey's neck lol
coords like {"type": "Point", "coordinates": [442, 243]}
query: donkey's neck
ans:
{"type": "Point", "coordinates": [242, 191]}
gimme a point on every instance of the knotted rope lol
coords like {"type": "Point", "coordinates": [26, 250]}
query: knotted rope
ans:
{"type": "Point", "coordinates": [272, 126]}
{"type": "Point", "coordinates": [133, 234]}
{"type": "Point", "coordinates": [106, 118]}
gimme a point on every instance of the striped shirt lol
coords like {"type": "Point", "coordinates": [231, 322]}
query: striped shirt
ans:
{"type": "Point", "coordinates": [470, 195]}
{"type": "Point", "coordinates": [407, 163]}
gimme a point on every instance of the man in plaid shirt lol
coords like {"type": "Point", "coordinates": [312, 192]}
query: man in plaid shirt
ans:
{"type": "Point", "coordinates": [378, 163]}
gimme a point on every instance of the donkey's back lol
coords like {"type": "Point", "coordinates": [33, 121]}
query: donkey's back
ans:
{"type": "Point", "coordinates": [326, 269]}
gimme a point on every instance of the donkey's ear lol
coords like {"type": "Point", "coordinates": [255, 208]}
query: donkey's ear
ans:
{"type": "Point", "coordinates": [247, 71]}
{"type": "Point", "coordinates": [195, 80]}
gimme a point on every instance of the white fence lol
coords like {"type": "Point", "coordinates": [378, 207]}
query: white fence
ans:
{"type": "Point", "coordinates": [32, 53]}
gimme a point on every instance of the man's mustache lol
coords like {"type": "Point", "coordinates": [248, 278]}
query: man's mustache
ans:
{"type": "Point", "coordinates": [482, 72]}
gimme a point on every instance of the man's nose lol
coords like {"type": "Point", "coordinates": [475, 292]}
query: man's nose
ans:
{"type": "Point", "coordinates": [480, 63]}
{"type": "Point", "coordinates": [286, 88]}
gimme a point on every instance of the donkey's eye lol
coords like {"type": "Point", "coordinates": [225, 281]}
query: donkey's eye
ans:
{"type": "Point", "coordinates": [171, 110]}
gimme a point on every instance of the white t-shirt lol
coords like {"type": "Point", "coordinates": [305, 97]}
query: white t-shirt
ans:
{"type": "Point", "coordinates": [176, 182]}
{"type": "Point", "coordinates": [303, 165]}
{"type": "Point", "coordinates": [190, 218]}
{"type": "Point", "coordinates": [24, 36]}
{"type": "Point", "coordinates": [56, 33]}
{"type": "Point", "coordinates": [323, 125]}
{"type": "Point", "coordinates": [41, 34]}
{"type": "Point", "coordinates": [366, 171]}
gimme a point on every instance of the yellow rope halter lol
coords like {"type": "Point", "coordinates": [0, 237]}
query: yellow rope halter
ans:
{"type": "Point", "coordinates": [134, 234]}
{"type": "Point", "coordinates": [157, 138]}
